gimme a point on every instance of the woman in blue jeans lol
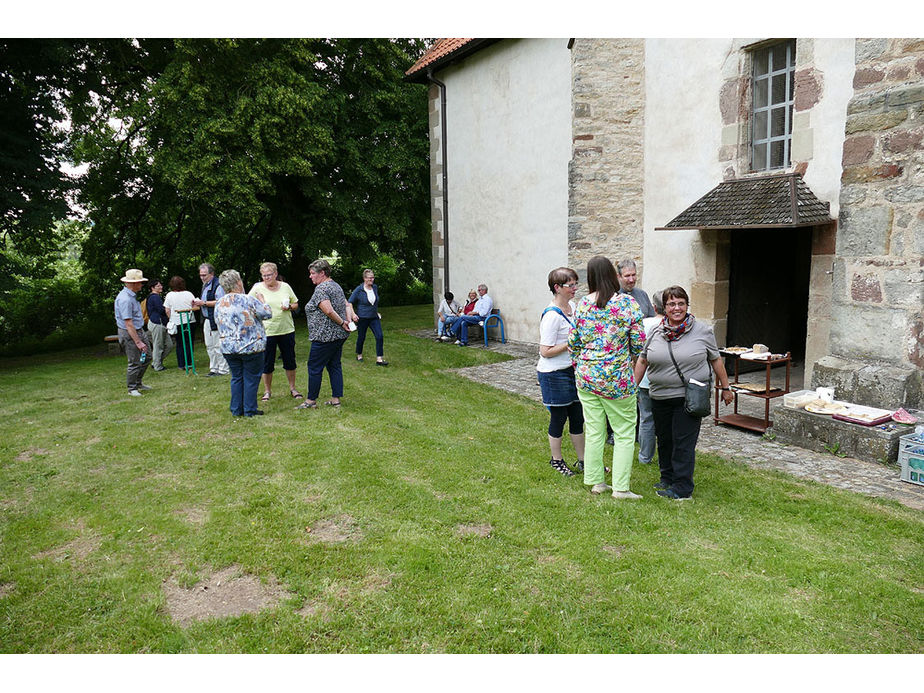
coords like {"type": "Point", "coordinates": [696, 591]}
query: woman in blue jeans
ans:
{"type": "Point", "coordinates": [243, 340]}
{"type": "Point", "coordinates": [329, 317]}
{"type": "Point", "coordinates": [365, 302]}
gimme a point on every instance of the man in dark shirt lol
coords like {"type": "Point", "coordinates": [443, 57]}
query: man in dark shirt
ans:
{"type": "Point", "coordinates": [161, 342]}
{"type": "Point", "coordinates": [628, 276]}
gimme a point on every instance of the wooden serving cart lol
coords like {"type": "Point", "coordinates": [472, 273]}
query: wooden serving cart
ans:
{"type": "Point", "coordinates": [753, 423]}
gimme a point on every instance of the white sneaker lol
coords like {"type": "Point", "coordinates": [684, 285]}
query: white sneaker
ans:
{"type": "Point", "coordinates": [134, 393]}
{"type": "Point", "coordinates": [625, 495]}
{"type": "Point", "coordinates": [600, 488]}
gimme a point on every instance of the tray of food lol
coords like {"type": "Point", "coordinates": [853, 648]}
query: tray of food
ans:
{"type": "Point", "coordinates": [735, 350]}
{"type": "Point", "coordinates": [864, 416]}
{"type": "Point", "coordinates": [819, 406]}
{"type": "Point", "coordinates": [754, 388]}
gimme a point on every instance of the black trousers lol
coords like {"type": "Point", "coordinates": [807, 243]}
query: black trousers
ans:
{"type": "Point", "coordinates": [677, 434]}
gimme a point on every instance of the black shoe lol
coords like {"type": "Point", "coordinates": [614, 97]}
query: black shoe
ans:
{"type": "Point", "coordinates": [609, 439]}
{"type": "Point", "coordinates": [381, 363]}
{"type": "Point", "coordinates": [662, 485]}
{"type": "Point", "coordinates": [560, 467]}
{"type": "Point", "coordinates": [672, 494]}
{"type": "Point", "coordinates": [258, 412]}
{"type": "Point", "coordinates": [212, 374]}
{"type": "Point", "coordinates": [579, 466]}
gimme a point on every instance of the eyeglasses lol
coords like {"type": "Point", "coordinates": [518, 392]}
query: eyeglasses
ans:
{"type": "Point", "coordinates": [572, 285]}
{"type": "Point", "coordinates": [675, 304]}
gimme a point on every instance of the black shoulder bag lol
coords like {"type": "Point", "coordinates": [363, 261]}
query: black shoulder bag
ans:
{"type": "Point", "coordinates": [695, 397]}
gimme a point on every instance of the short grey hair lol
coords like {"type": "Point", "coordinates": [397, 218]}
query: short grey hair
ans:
{"type": "Point", "coordinates": [483, 286]}
{"type": "Point", "coordinates": [657, 302]}
{"type": "Point", "coordinates": [229, 280]}
{"type": "Point", "coordinates": [320, 267]}
{"type": "Point", "coordinates": [623, 264]}
{"type": "Point", "coordinates": [209, 266]}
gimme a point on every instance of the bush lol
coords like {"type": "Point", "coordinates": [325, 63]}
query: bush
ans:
{"type": "Point", "coordinates": [50, 314]}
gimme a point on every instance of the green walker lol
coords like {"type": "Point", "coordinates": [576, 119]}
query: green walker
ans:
{"type": "Point", "coordinates": [186, 335]}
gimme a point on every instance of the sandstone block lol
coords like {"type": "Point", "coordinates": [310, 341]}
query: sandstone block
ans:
{"type": "Point", "coordinates": [866, 288]}
{"type": "Point", "coordinates": [905, 194]}
{"type": "Point", "coordinates": [858, 150]}
{"type": "Point", "coordinates": [870, 49]}
{"type": "Point", "coordinates": [901, 97]}
{"type": "Point", "coordinates": [873, 333]}
{"type": "Point", "coordinates": [870, 174]}
{"type": "Point", "coordinates": [874, 122]}
{"type": "Point", "coordinates": [899, 142]}
{"type": "Point", "coordinates": [864, 230]}
{"type": "Point", "coordinates": [839, 373]}
{"type": "Point", "coordinates": [888, 387]}
{"type": "Point", "coordinates": [866, 76]}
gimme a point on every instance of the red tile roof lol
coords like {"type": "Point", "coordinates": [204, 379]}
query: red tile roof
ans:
{"type": "Point", "coordinates": [438, 52]}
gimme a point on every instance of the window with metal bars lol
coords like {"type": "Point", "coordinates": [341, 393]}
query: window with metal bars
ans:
{"type": "Point", "coordinates": [771, 112]}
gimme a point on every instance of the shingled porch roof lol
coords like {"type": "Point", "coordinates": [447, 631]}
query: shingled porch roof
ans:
{"type": "Point", "coordinates": [754, 203]}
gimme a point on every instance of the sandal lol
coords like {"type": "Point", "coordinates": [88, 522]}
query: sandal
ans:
{"type": "Point", "coordinates": [383, 362]}
{"type": "Point", "coordinates": [295, 394]}
{"type": "Point", "coordinates": [359, 358]}
{"type": "Point", "coordinates": [332, 403]}
{"type": "Point", "coordinates": [307, 405]}
{"type": "Point", "coordinates": [266, 397]}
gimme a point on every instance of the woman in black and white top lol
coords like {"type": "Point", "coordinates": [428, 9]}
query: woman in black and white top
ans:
{"type": "Point", "coordinates": [329, 317]}
{"type": "Point", "coordinates": [556, 372]}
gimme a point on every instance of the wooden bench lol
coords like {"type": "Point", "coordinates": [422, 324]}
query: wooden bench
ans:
{"type": "Point", "coordinates": [112, 341]}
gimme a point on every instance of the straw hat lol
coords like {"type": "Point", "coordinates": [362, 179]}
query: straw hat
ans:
{"type": "Point", "coordinates": [134, 275]}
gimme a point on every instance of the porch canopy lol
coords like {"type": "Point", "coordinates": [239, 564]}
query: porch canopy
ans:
{"type": "Point", "coordinates": [777, 201]}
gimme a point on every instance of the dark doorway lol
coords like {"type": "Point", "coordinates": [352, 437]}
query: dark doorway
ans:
{"type": "Point", "coordinates": [768, 289]}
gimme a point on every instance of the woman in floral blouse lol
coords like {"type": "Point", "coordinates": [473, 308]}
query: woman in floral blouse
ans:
{"type": "Point", "coordinates": [243, 339]}
{"type": "Point", "coordinates": [608, 335]}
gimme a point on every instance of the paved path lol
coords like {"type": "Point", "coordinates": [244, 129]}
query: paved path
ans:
{"type": "Point", "coordinates": [519, 377]}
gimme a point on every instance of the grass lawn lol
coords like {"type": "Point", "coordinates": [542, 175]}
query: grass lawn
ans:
{"type": "Point", "coordinates": [421, 517]}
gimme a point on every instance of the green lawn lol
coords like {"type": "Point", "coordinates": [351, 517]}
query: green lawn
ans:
{"type": "Point", "coordinates": [456, 535]}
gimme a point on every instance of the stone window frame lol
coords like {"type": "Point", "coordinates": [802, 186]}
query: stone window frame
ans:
{"type": "Point", "coordinates": [786, 104]}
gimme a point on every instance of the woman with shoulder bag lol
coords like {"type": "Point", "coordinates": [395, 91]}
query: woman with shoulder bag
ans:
{"type": "Point", "coordinates": [555, 371]}
{"type": "Point", "coordinates": [677, 358]}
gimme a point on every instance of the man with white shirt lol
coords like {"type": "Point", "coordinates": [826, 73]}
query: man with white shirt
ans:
{"type": "Point", "coordinates": [211, 292]}
{"type": "Point", "coordinates": [483, 307]}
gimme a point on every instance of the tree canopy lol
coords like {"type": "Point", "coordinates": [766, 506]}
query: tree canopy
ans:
{"type": "Point", "coordinates": [239, 151]}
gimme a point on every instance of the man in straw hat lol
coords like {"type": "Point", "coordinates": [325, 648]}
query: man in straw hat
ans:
{"type": "Point", "coordinates": [132, 335]}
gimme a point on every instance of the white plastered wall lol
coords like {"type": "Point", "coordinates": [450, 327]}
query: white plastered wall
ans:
{"type": "Point", "coordinates": [509, 144]}
{"type": "Point", "coordinates": [683, 127]}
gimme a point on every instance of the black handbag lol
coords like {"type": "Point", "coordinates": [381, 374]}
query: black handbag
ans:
{"type": "Point", "coordinates": [695, 397]}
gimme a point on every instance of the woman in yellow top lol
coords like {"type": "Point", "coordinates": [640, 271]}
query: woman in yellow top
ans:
{"type": "Point", "coordinates": [280, 329]}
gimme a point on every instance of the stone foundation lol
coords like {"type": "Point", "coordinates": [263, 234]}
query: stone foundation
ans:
{"type": "Point", "coordinates": [824, 434]}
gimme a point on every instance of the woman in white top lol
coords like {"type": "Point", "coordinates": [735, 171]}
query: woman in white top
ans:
{"type": "Point", "coordinates": [556, 372]}
{"type": "Point", "coordinates": [176, 302]}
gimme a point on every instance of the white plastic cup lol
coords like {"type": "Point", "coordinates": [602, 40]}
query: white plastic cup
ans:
{"type": "Point", "coordinates": [825, 394]}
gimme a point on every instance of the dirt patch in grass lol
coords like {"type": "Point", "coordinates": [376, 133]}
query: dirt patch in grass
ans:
{"type": "Point", "coordinates": [29, 453]}
{"type": "Point", "coordinates": [194, 516]}
{"type": "Point", "coordinates": [483, 530]}
{"type": "Point", "coordinates": [335, 530]}
{"type": "Point", "coordinates": [75, 550]}
{"type": "Point", "coordinates": [225, 594]}
{"type": "Point", "coordinates": [615, 550]}
{"type": "Point", "coordinates": [6, 588]}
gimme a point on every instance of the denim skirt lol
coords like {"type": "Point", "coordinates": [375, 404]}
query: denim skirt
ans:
{"type": "Point", "coordinates": [558, 388]}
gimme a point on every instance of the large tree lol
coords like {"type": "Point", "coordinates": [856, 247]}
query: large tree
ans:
{"type": "Point", "coordinates": [238, 151]}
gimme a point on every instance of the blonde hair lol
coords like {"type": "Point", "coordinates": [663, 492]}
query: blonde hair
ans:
{"type": "Point", "coordinates": [269, 266]}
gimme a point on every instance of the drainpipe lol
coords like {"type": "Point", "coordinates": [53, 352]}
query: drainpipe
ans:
{"type": "Point", "coordinates": [443, 147]}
